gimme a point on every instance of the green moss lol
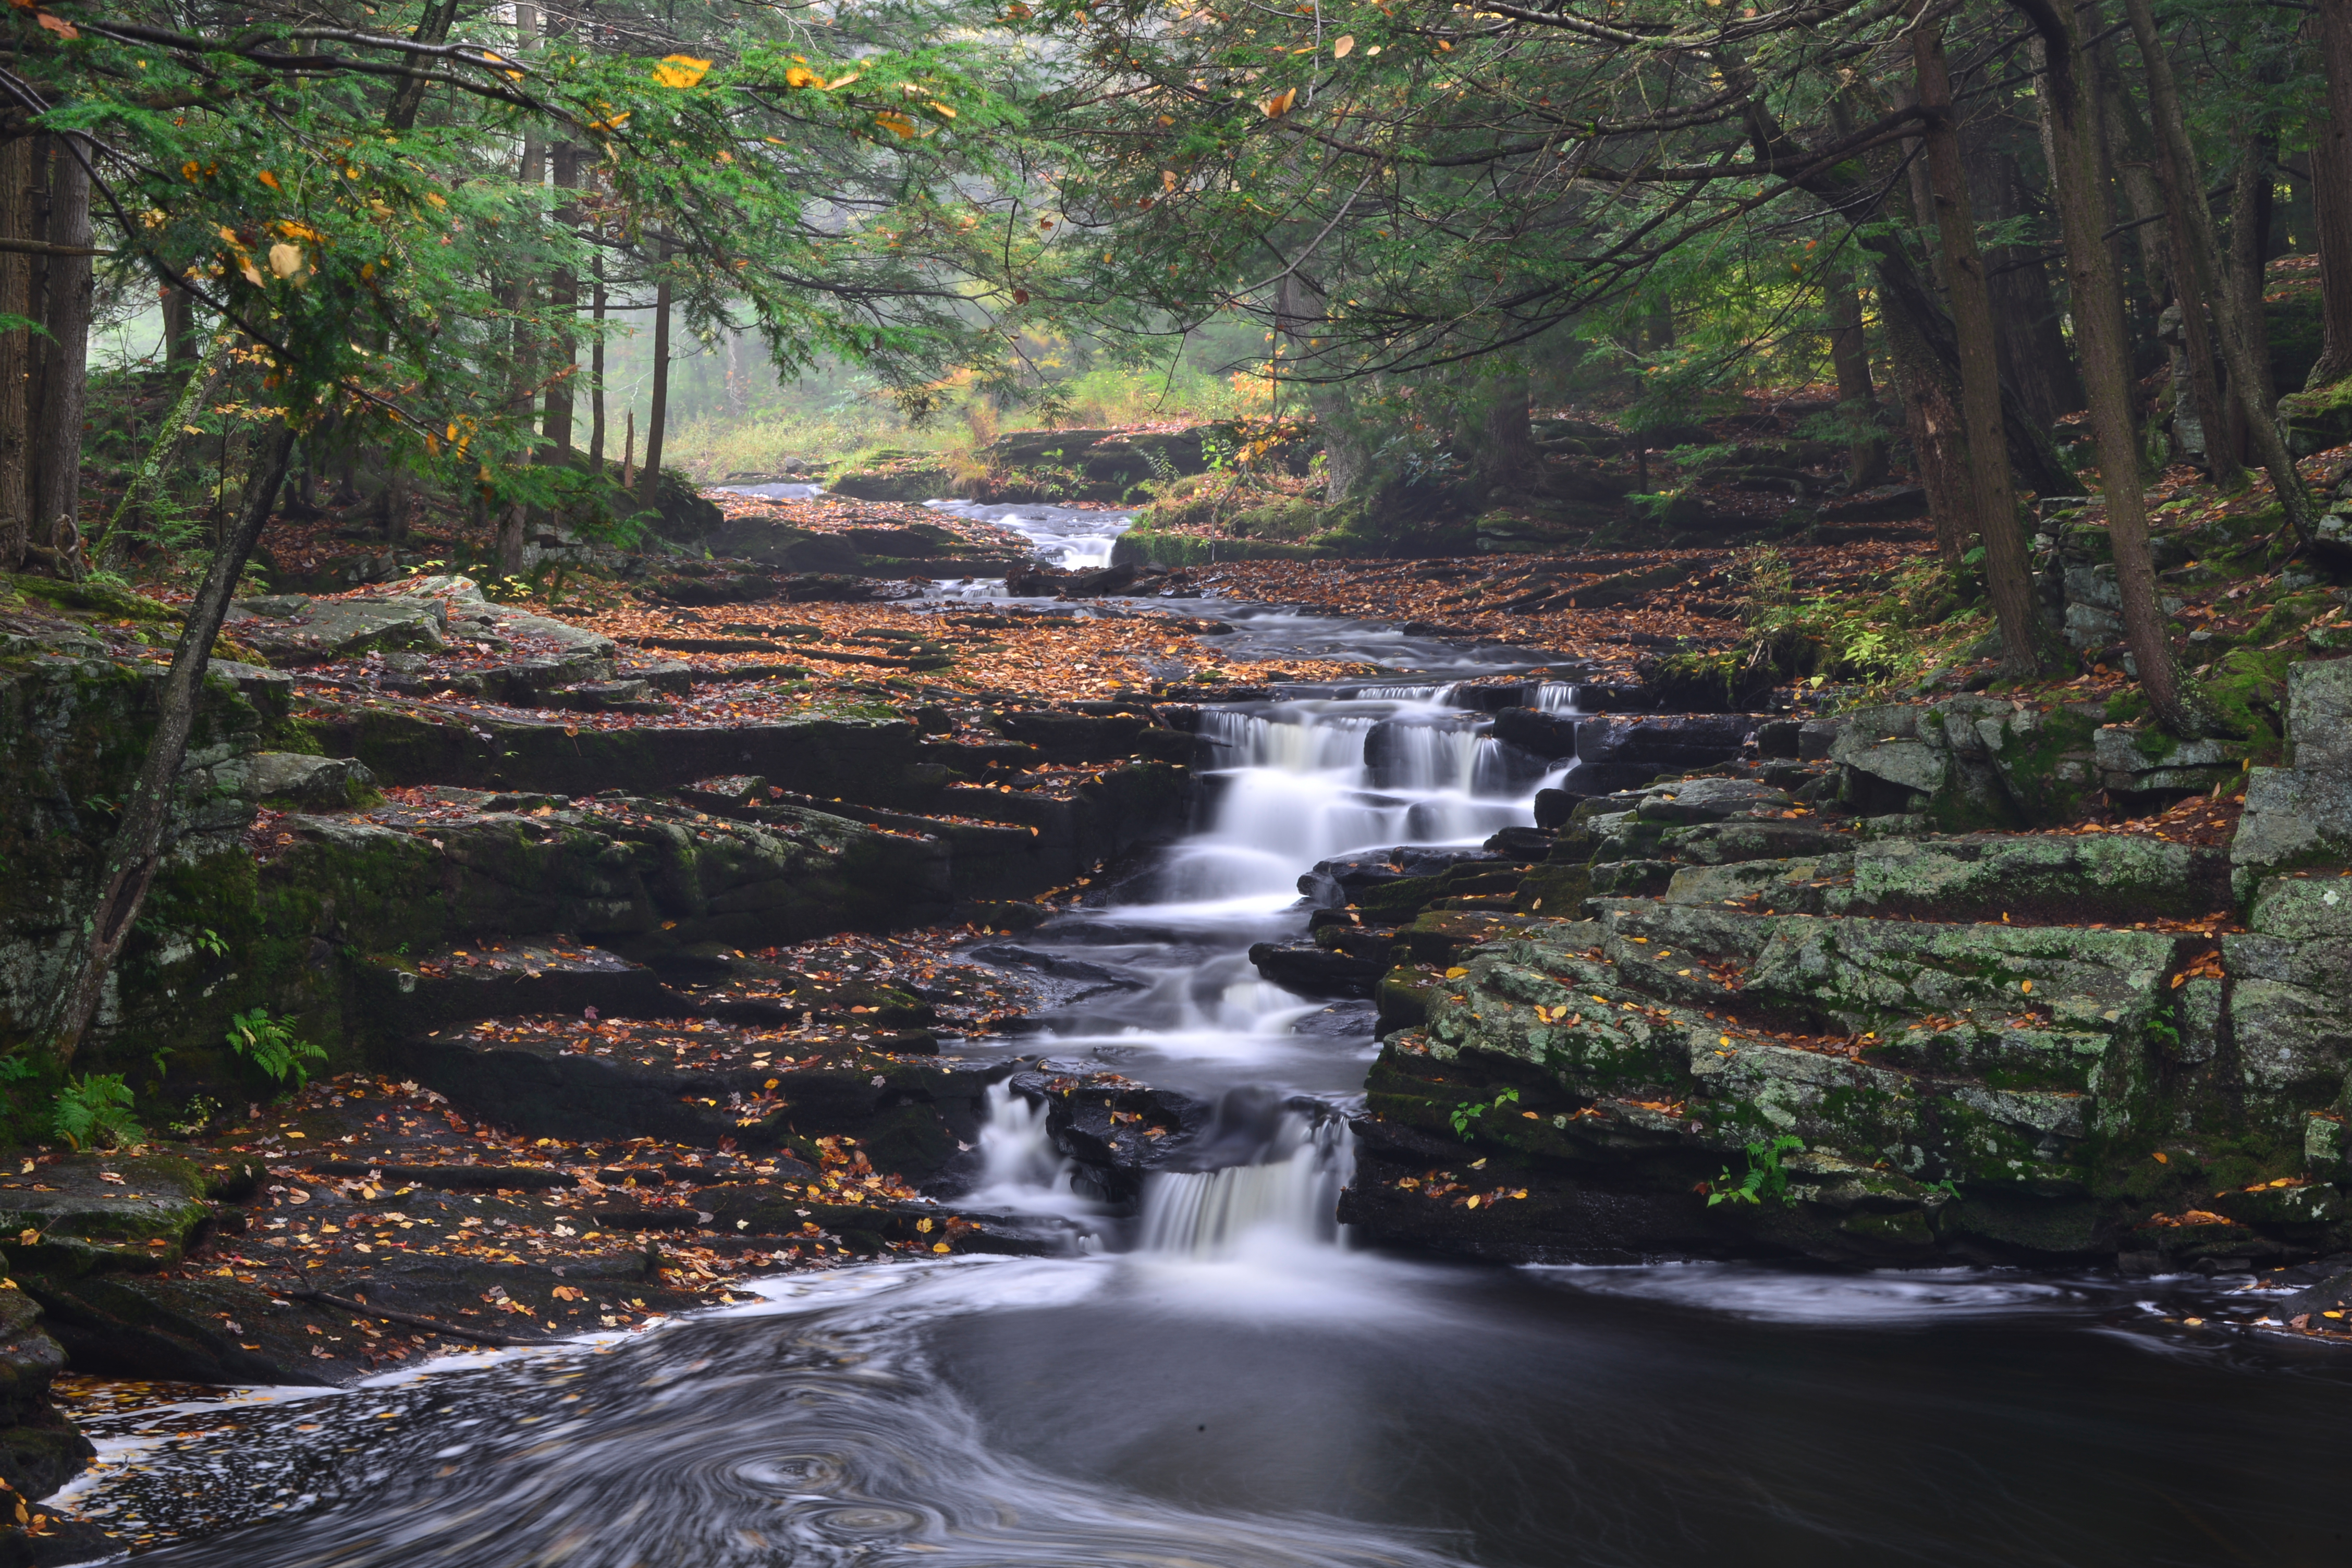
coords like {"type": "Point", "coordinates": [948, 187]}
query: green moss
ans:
{"type": "Point", "coordinates": [95, 599]}
{"type": "Point", "coordinates": [2128, 706]}
{"type": "Point", "coordinates": [2248, 688]}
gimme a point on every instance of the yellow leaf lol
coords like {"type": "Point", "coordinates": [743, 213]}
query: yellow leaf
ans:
{"type": "Point", "coordinates": [1342, 45]}
{"type": "Point", "coordinates": [285, 260]}
{"type": "Point", "coordinates": [252, 273]}
{"type": "Point", "coordinates": [800, 76]}
{"type": "Point", "coordinates": [2025, 985]}
{"type": "Point", "coordinates": [942, 1246]}
{"type": "Point", "coordinates": [2161, 1158]}
{"type": "Point", "coordinates": [680, 71]}
{"type": "Point", "coordinates": [897, 125]}
{"type": "Point", "coordinates": [436, 198]}
{"type": "Point", "coordinates": [1456, 972]}
{"type": "Point", "coordinates": [1279, 104]}
{"type": "Point", "coordinates": [271, 180]}
{"type": "Point", "coordinates": [58, 24]}
{"type": "Point", "coordinates": [941, 110]}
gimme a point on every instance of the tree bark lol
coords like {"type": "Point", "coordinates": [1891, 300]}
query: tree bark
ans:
{"type": "Point", "coordinates": [1506, 448]}
{"type": "Point", "coordinates": [564, 298]}
{"type": "Point", "coordinates": [2071, 106]}
{"type": "Point", "coordinates": [409, 97]}
{"type": "Point", "coordinates": [1904, 298]}
{"type": "Point", "coordinates": [1857, 399]}
{"type": "Point", "coordinates": [2027, 646]}
{"type": "Point", "coordinates": [2245, 347]}
{"type": "Point", "coordinates": [2133, 156]}
{"type": "Point", "coordinates": [2331, 190]}
{"type": "Point", "coordinates": [180, 346]}
{"type": "Point", "coordinates": [2244, 263]}
{"type": "Point", "coordinates": [2035, 357]}
{"type": "Point", "coordinates": [57, 434]}
{"type": "Point", "coordinates": [649, 482]}
{"type": "Point", "coordinates": [16, 350]}
{"type": "Point", "coordinates": [597, 365]}
{"type": "Point", "coordinates": [136, 850]}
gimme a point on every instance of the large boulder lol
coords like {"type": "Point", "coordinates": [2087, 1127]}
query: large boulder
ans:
{"type": "Point", "coordinates": [2300, 814]}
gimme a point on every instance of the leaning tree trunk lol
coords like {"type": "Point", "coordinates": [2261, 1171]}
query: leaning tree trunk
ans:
{"type": "Point", "coordinates": [2071, 102]}
{"type": "Point", "coordinates": [2244, 347]}
{"type": "Point", "coordinates": [57, 432]}
{"type": "Point", "coordinates": [2331, 190]}
{"type": "Point", "coordinates": [1857, 399]}
{"type": "Point", "coordinates": [137, 848]}
{"type": "Point", "coordinates": [2026, 643]}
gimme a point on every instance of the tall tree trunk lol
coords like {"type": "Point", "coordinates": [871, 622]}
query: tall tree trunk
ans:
{"type": "Point", "coordinates": [2092, 133]}
{"type": "Point", "coordinates": [180, 347]}
{"type": "Point", "coordinates": [2026, 645]}
{"type": "Point", "coordinates": [563, 296]}
{"type": "Point", "coordinates": [409, 96]}
{"type": "Point", "coordinates": [2070, 97]}
{"type": "Point", "coordinates": [136, 850]}
{"type": "Point", "coordinates": [2245, 346]}
{"type": "Point", "coordinates": [1903, 296]}
{"type": "Point", "coordinates": [2132, 154]}
{"type": "Point", "coordinates": [2034, 359]}
{"type": "Point", "coordinates": [2193, 276]}
{"type": "Point", "coordinates": [2331, 190]}
{"type": "Point", "coordinates": [1931, 418]}
{"type": "Point", "coordinates": [597, 365]}
{"type": "Point", "coordinates": [1857, 399]}
{"type": "Point", "coordinates": [2246, 260]}
{"type": "Point", "coordinates": [649, 482]}
{"type": "Point", "coordinates": [56, 437]}
{"type": "Point", "coordinates": [16, 350]}
{"type": "Point", "coordinates": [1506, 448]}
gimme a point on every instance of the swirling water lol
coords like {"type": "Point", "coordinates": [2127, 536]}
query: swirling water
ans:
{"type": "Point", "coordinates": [1216, 1377]}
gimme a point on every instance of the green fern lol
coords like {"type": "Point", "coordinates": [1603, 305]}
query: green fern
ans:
{"type": "Point", "coordinates": [272, 1046]}
{"type": "Point", "coordinates": [94, 1112]}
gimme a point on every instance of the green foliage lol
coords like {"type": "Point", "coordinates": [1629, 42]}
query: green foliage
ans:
{"type": "Point", "coordinates": [94, 1111]}
{"type": "Point", "coordinates": [1764, 1178]}
{"type": "Point", "coordinates": [1470, 1110]}
{"type": "Point", "coordinates": [272, 1045]}
{"type": "Point", "coordinates": [195, 1117]}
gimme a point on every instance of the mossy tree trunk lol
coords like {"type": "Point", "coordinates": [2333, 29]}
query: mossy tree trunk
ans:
{"type": "Point", "coordinates": [2070, 97]}
{"type": "Point", "coordinates": [2244, 345]}
{"type": "Point", "coordinates": [56, 456]}
{"type": "Point", "coordinates": [136, 850]}
{"type": "Point", "coordinates": [2331, 190]}
{"type": "Point", "coordinates": [2027, 645]}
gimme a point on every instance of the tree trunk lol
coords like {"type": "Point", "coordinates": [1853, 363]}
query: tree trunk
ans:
{"type": "Point", "coordinates": [2132, 154]}
{"type": "Point", "coordinates": [1903, 296]}
{"type": "Point", "coordinates": [409, 97]}
{"type": "Point", "coordinates": [2069, 100]}
{"type": "Point", "coordinates": [596, 366]}
{"type": "Point", "coordinates": [1931, 418]}
{"type": "Point", "coordinates": [2331, 190]}
{"type": "Point", "coordinates": [2193, 276]}
{"type": "Point", "coordinates": [108, 548]}
{"type": "Point", "coordinates": [1857, 399]}
{"type": "Point", "coordinates": [16, 350]}
{"type": "Point", "coordinates": [180, 347]}
{"type": "Point", "coordinates": [563, 296]}
{"type": "Point", "coordinates": [1506, 448]}
{"type": "Point", "coordinates": [56, 435]}
{"type": "Point", "coordinates": [2026, 645]}
{"type": "Point", "coordinates": [650, 485]}
{"type": "Point", "coordinates": [2036, 361]}
{"type": "Point", "coordinates": [2245, 346]}
{"type": "Point", "coordinates": [2246, 258]}
{"type": "Point", "coordinates": [136, 850]}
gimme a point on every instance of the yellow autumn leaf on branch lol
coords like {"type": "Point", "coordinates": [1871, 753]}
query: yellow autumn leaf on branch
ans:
{"type": "Point", "coordinates": [1342, 45]}
{"type": "Point", "coordinates": [1279, 104]}
{"type": "Point", "coordinates": [680, 71]}
{"type": "Point", "coordinates": [800, 76]}
{"type": "Point", "coordinates": [285, 260]}
{"type": "Point", "coordinates": [271, 180]}
{"type": "Point", "coordinates": [897, 125]}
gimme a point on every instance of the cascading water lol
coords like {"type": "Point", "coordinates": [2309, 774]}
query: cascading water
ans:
{"type": "Point", "coordinates": [1305, 779]}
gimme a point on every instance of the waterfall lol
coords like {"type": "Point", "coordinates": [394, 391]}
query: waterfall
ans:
{"type": "Point", "coordinates": [1553, 697]}
{"type": "Point", "coordinates": [1289, 1195]}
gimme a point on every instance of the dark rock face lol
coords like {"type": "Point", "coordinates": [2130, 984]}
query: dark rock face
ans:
{"type": "Point", "coordinates": [1313, 970]}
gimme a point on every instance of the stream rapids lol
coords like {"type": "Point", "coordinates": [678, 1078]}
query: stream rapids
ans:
{"type": "Point", "coordinates": [1216, 1376]}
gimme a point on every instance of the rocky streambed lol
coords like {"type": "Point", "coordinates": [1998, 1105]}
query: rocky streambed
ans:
{"type": "Point", "coordinates": [746, 1086]}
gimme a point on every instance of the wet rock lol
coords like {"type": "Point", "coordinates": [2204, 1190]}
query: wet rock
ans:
{"type": "Point", "coordinates": [39, 1448]}
{"type": "Point", "coordinates": [292, 629]}
{"type": "Point", "coordinates": [1310, 970]}
{"type": "Point", "coordinates": [2301, 815]}
{"type": "Point", "coordinates": [1711, 800]}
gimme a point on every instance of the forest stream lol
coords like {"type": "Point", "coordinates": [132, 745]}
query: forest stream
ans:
{"type": "Point", "coordinates": [1210, 1369]}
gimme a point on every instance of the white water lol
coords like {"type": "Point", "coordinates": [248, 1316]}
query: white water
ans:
{"type": "Point", "coordinates": [1306, 780]}
{"type": "Point", "coordinates": [1073, 538]}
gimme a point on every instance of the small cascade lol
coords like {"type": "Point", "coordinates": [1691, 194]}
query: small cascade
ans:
{"type": "Point", "coordinates": [1556, 696]}
{"type": "Point", "coordinates": [1020, 1167]}
{"type": "Point", "coordinates": [1288, 1196]}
